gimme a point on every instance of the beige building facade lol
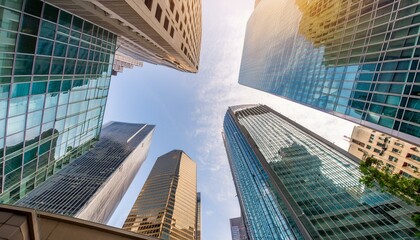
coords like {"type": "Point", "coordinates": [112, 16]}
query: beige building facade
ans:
{"type": "Point", "coordinates": [166, 207]}
{"type": "Point", "coordinates": [164, 32]}
{"type": "Point", "coordinates": [398, 156]}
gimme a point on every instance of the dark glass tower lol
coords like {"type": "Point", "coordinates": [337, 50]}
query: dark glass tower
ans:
{"type": "Point", "coordinates": [91, 186]}
{"type": "Point", "coordinates": [293, 184]}
{"type": "Point", "coordinates": [166, 207]}
{"type": "Point", "coordinates": [54, 77]}
{"type": "Point", "coordinates": [358, 60]}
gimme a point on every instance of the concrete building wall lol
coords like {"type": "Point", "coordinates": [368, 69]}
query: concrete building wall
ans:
{"type": "Point", "coordinates": [399, 156]}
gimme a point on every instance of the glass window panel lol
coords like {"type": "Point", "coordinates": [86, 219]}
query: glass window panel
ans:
{"type": "Point", "coordinates": [36, 102]}
{"type": "Point", "coordinates": [66, 85]}
{"type": "Point", "coordinates": [23, 64]}
{"type": "Point", "coordinates": [49, 115]}
{"type": "Point", "coordinates": [72, 52]}
{"type": "Point", "coordinates": [60, 50]}
{"type": "Point", "coordinates": [32, 133]}
{"type": "Point", "coordinates": [30, 25]}
{"type": "Point", "coordinates": [34, 119]}
{"type": "Point", "coordinates": [61, 111]}
{"type": "Point", "coordinates": [44, 47]}
{"type": "Point", "coordinates": [9, 20]}
{"type": "Point", "coordinates": [393, 100]}
{"type": "Point", "coordinates": [15, 4]}
{"type": "Point", "coordinates": [2, 130]}
{"type": "Point", "coordinates": [6, 62]}
{"type": "Point", "coordinates": [65, 19]}
{"type": "Point", "coordinates": [409, 116]}
{"type": "Point", "coordinates": [30, 155]}
{"type": "Point", "coordinates": [33, 7]}
{"type": "Point", "coordinates": [410, 129]}
{"type": "Point", "coordinates": [54, 86]}
{"type": "Point", "coordinates": [3, 108]}
{"type": "Point", "coordinates": [39, 87]}
{"type": "Point", "coordinates": [69, 68]}
{"type": "Point", "coordinates": [15, 124]}
{"type": "Point", "coordinates": [19, 90]}
{"type": "Point", "coordinates": [51, 100]}
{"type": "Point", "coordinates": [9, 41]}
{"type": "Point", "coordinates": [17, 106]}
{"type": "Point", "coordinates": [47, 30]}
{"type": "Point", "coordinates": [4, 91]}
{"type": "Point", "coordinates": [42, 65]}
{"type": "Point", "coordinates": [57, 66]}
{"type": "Point", "coordinates": [26, 44]}
{"type": "Point", "coordinates": [50, 13]}
{"type": "Point", "coordinates": [13, 164]}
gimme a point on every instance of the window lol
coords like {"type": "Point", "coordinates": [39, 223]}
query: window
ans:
{"type": "Point", "coordinates": [171, 5]}
{"type": "Point", "coordinates": [177, 17]}
{"type": "Point", "coordinates": [368, 147]}
{"type": "Point", "coordinates": [166, 24]}
{"type": "Point", "coordinates": [399, 144]}
{"type": "Point", "coordinates": [376, 150]}
{"type": "Point", "coordinates": [158, 14]}
{"type": "Point", "coordinates": [394, 150]}
{"type": "Point", "coordinates": [392, 158]}
{"type": "Point", "coordinates": [148, 4]}
{"type": "Point", "coordinates": [172, 32]}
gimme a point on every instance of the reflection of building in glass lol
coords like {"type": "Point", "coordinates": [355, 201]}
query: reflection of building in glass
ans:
{"type": "Point", "coordinates": [164, 32]}
{"type": "Point", "coordinates": [305, 186]}
{"type": "Point", "coordinates": [54, 77]}
{"type": "Point", "coordinates": [122, 61]}
{"type": "Point", "coordinates": [355, 59]}
{"type": "Point", "coordinates": [166, 206]}
{"type": "Point", "coordinates": [237, 228]}
{"type": "Point", "coordinates": [91, 186]}
{"type": "Point", "coordinates": [397, 156]}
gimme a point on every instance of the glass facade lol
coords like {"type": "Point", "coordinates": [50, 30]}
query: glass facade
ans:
{"type": "Point", "coordinates": [313, 186]}
{"type": "Point", "coordinates": [355, 59]}
{"type": "Point", "coordinates": [91, 186]}
{"type": "Point", "coordinates": [54, 77]}
{"type": "Point", "coordinates": [166, 206]}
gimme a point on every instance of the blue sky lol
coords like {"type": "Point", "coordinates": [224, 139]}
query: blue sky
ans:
{"type": "Point", "coordinates": [188, 111]}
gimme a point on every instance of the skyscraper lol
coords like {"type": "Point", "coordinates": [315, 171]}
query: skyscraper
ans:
{"type": "Point", "coordinates": [358, 60]}
{"type": "Point", "coordinates": [164, 32]}
{"type": "Point", "coordinates": [237, 228]}
{"type": "Point", "coordinates": [397, 156]}
{"type": "Point", "coordinates": [166, 206]}
{"type": "Point", "coordinates": [55, 73]}
{"type": "Point", "coordinates": [91, 186]}
{"type": "Point", "coordinates": [293, 184]}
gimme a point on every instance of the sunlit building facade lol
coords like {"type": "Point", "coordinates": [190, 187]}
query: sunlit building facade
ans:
{"type": "Point", "coordinates": [164, 32]}
{"type": "Point", "coordinates": [293, 184]}
{"type": "Point", "coordinates": [167, 204]}
{"type": "Point", "coordinates": [92, 186]}
{"type": "Point", "coordinates": [397, 156]}
{"type": "Point", "coordinates": [358, 60]}
{"type": "Point", "coordinates": [55, 73]}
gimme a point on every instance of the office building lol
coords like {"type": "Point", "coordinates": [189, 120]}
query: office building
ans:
{"type": "Point", "coordinates": [398, 156]}
{"type": "Point", "coordinates": [55, 73]}
{"type": "Point", "coordinates": [293, 184]}
{"type": "Point", "coordinates": [167, 204]}
{"type": "Point", "coordinates": [25, 223]}
{"type": "Point", "coordinates": [92, 186]}
{"type": "Point", "coordinates": [358, 60]}
{"type": "Point", "coordinates": [156, 31]}
{"type": "Point", "coordinates": [237, 229]}
{"type": "Point", "coordinates": [122, 61]}
{"type": "Point", "coordinates": [198, 218]}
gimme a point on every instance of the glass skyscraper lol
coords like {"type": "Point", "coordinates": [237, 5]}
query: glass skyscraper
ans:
{"type": "Point", "coordinates": [54, 77]}
{"type": "Point", "coordinates": [293, 184]}
{"type": "Point", "coordinates": [166, 207]}
{"type": "Point", "coordinates": [358, 60]}
{"type": "Point", "coordinates": [92, 186]}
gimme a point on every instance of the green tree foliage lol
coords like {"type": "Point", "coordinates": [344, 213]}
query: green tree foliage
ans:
{"type": "Point", "coordinates": [408, 189]}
